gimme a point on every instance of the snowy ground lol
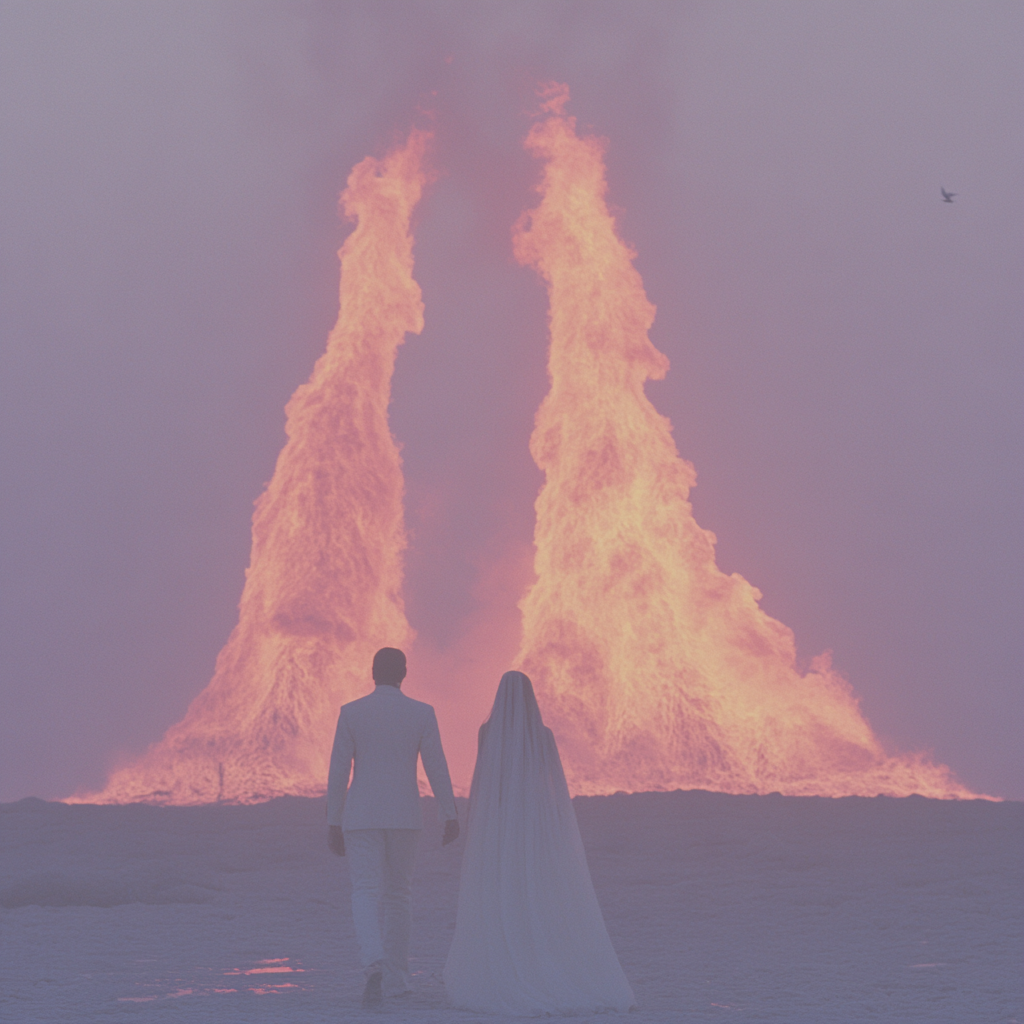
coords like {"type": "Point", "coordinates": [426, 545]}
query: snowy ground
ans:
{"type": "Point", "coordinates": [722, 908]}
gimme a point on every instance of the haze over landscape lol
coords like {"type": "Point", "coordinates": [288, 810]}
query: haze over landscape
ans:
{"type": "Point", "coordinates": [844, 348]}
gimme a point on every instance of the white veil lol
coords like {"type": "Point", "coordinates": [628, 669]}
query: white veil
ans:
{"type": "Point", "coordinates": [529, 937]}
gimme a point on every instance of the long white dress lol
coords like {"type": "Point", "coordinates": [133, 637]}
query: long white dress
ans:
{"type": "Point", "coordinates": [529, 937]}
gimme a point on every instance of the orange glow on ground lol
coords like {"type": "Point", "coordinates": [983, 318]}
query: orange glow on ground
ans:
{"type": "Point", "coordinates": [324, 586]}
{"type": "Point", "coordinates": [656, 670]}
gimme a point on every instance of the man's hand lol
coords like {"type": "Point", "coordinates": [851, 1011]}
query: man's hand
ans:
{"type": "Point", "coordinates": [451, 831]}
{"type": "Point", "coordinates": [336, 839]}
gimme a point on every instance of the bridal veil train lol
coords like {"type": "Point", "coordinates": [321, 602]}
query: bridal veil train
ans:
{"type": "Point", "coordinates": [529, 937]}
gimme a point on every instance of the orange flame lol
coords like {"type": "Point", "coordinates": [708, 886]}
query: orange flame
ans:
{"type": "Point", "coordinates": [323, 589]}
{"type": "Point", "coordinates": [655, 669]}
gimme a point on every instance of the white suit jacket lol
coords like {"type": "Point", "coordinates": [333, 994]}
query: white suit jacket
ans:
{"type": "Point", "coordinates": [381, 735]}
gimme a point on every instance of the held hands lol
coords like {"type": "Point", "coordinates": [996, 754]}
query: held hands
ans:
{"type": "Point", "coordinates": [336, 839]}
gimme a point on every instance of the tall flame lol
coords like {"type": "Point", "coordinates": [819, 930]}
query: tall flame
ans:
{"type": "Point", "coordinates": [323, 589]}
{"type": "Point", "coordinates": [656, 670]}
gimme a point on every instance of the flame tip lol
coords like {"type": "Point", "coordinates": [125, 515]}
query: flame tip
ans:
{"type": "Point", "coordinates": [554, 97]}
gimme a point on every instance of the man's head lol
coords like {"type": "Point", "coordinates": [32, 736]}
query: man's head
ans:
{"type": "Point", "coordinates": [389, 667]}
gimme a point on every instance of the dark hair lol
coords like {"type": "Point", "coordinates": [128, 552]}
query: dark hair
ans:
{"type": "Point", "coordinates": [389, 666]}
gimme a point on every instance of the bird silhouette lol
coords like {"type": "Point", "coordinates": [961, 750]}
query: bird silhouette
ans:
{"type": "Point", "coordinates": [947, 197]}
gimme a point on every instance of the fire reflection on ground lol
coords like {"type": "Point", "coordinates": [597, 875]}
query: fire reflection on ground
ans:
{"type": "Point", "coordinates": [167, 988]}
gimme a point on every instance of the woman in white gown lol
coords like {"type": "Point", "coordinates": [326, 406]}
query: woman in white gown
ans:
{"type": "Point", "coordinates": [529, 937]}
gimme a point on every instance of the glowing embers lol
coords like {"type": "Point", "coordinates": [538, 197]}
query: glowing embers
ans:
{"type": "Point", "coordinates": [323, 589]}
{"type": "Point", "coordinates": [655, 669]}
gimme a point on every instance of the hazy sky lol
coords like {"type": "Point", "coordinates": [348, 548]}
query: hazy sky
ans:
{"type": "Point", "coordinates": [846, 349]}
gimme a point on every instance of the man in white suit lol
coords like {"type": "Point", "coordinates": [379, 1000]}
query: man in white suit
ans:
{"type": "Point", "coordinates": [377, 820]}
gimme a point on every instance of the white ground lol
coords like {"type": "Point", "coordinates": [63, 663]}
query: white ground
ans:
{"type": "Point", "coordinates": [723, 908]}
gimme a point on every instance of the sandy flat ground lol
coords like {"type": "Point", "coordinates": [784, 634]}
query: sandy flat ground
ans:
{"type": "Point", "coordinates": [724, 908]}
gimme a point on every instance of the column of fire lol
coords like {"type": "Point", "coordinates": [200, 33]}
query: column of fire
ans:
{"type": "Point", "coordinates": [324, 586]}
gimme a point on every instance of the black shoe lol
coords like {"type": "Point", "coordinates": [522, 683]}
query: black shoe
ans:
{"type": "Point", "coordinates": [372, 997]}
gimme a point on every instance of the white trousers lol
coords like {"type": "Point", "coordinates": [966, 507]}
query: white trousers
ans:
{"type": "Point", "coordinates": [380, 862]}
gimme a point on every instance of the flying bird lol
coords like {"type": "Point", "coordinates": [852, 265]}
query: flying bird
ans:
{"type": "Point", "coordinates": [947, 197]}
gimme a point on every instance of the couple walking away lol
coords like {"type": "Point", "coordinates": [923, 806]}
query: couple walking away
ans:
{"type": "Point", "coordinates": [529, 936]}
